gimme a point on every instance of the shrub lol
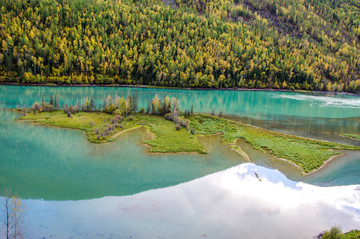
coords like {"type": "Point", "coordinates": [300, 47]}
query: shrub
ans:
{"type": "Point", "coordinates": [185, 123]}
{"type": "Point", "coordinates": [110, 109]}
{"type": "Point", "coordinates": [35, 107]}
{"type": "Point", "coordinates": [47, 108]}
{"type": "Point", "coordinates": [119, 118]}
{"type": "Point", "coordinates": [72, 109]}
{"type": "Point", "coordinates": [168, 116]}
{"type": "Point", "coordinates": [117, 112]}
{"type": "Point", "coordinates": [334, 233]}
{"type": "Point", "coordinates": [130, 118]}
{"type": "Point", "coordinates": [176, 120]}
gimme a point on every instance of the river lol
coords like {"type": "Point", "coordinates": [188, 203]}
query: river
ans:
{"type": "Point", "coordinates": [57, 170]}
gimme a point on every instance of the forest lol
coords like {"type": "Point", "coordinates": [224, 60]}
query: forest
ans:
{"type": "Point", "coordinates": [277, 44]}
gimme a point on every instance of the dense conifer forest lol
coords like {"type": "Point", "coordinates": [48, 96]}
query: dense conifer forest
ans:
{"type": "Point", "coordinates": [279, 44]}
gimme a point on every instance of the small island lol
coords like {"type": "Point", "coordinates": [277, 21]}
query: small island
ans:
{"type": "Point", "coordinates": [174, 130]}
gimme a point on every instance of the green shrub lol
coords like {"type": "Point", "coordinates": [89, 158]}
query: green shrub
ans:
{"type": "Point", "coordinates": [334, 233]}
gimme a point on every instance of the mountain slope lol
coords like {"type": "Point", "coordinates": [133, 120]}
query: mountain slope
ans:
{"type": "Point", "coordinates": [184, 43]}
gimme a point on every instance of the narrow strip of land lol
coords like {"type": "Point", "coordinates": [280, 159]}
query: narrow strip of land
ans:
{"type": "Point", "coordinates": [351, 136]}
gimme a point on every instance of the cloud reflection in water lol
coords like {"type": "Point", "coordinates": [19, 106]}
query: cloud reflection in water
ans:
{"type": "Point", "coordinates": [230, 204]}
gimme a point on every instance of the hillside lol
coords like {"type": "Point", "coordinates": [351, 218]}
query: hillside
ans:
{"type": "Point", "coordinates": [290, 44]}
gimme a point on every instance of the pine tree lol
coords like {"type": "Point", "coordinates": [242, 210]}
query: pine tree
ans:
{"type": "Point", "coordinates": [56, 106]}
{"type": "Point", "coordinates": [52, 101]}
{"type": "Point", "coordinates": [92, 104]}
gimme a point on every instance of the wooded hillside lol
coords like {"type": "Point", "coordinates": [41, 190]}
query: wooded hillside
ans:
{"type": "Point", "coordinates": [290, 44]}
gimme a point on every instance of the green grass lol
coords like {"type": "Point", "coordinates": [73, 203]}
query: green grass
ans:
{"type": "Point", "coordinates": [306, 153]}
{"type": "Point", "coordinates": [351, 136]}
{"type": "Point", "coordinates": [167, 138]}
{"type": "Point", "coordinates": [81, 121]}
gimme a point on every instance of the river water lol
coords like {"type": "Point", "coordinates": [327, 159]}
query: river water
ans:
{"type": "Point", "coordinates": [65, 180]}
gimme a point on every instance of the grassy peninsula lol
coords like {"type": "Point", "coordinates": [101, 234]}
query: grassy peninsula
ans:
{"type": "Point", "coordinates": [167, 139]}
{"type": "Point", "coordinates": [176, 131]}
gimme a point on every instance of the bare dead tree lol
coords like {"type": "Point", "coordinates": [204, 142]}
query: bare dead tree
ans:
{"type": "Point", "coordinates": [17, 216]}
{"type": "Point", "coordinates": [7, 211]}
{"type": "Point", "coordinates": [14, 213]}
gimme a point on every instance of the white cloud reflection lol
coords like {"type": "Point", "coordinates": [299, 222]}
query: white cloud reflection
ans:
{"type": "Point", "coordinates": [332, 101]}
{"type": "Point", "coordinates": [230, 204]}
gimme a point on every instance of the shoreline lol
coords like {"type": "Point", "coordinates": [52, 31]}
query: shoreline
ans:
{"type": "Point", "coordinates": [239, 150]}
{"type": "Point", "coordinates": [114, 136]}
{"type": "Point", "coordinates": [183, 88]}
{"type": "Point", "coordinates": [332, 158]}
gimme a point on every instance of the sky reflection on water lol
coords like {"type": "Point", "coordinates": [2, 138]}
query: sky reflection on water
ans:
{"type": "Point", "coordinates": [230, 204]}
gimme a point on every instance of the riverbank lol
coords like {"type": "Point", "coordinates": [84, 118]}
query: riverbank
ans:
{"type": "Point", "coordinates": [179, 88]}
{"type": "Point", "coordinates": [307, 154]}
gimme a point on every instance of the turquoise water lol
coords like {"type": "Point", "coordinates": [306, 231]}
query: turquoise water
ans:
{"type": "Point", "coordinates": [59, 164]}
{"type": "Point", "coordinates": [255, 104]}
{"type": "Point", "coordinates": [312, 115]}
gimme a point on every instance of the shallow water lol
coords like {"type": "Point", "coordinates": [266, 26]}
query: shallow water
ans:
{"type": "Point", "coordinates": [60, 164]}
